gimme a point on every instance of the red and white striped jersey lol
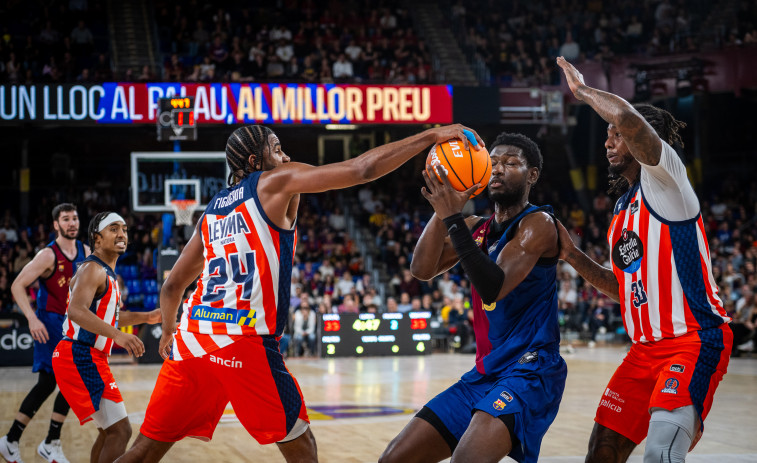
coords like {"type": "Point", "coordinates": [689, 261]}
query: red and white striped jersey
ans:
{"type": "Point", "coordinates": [244, 288]}
{"type": "Point", "coordinates": [106, 308]}
{"type": "Point", "coordinates": [663, 266]}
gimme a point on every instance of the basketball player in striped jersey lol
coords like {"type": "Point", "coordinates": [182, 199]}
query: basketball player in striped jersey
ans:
{"type": "Point", "coordinates": [505, 404]}
{"type": "Point", "coordinates": [53, 267]}
{"type": "Point", "coordinates": [226, 347]}
{"type": "Point", "coordinates": [662, 277]}
{"type": "Point", "coordinates": [91, 327]}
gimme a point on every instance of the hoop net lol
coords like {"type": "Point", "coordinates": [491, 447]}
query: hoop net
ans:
{"type": "Point", "coordinates": [183, 210]}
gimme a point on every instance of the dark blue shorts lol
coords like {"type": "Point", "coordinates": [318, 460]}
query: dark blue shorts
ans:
{"type": "Point", "coordinates": [43, 353]}
{"type": "Point", "coordinates": [531, 392]}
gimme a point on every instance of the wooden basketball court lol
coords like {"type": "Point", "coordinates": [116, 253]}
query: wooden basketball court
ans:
{"type": "Point", "coordinates": [359, 404]}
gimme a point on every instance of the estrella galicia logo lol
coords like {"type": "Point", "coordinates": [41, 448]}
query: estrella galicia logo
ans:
{"type": "Point", "coordinates": [506, 395]}
{"type": "Point", "coordinates": [677, 368]}
{"type": "Point", "coordinates": [671, 386]}
{"type": "Point", "coordinates": [499, 405]}
{"type": "Point", "coordinates": [628, 251]}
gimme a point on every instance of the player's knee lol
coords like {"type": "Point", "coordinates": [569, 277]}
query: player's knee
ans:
{"type": "Point", "coordinates": [390, 455]}
{"type": "Point", "coordinates": [670, 435]}
{"type": "Point", "coordinates": [120, 431]}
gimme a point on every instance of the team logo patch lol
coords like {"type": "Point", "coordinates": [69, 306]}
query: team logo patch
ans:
{"type": "Point", "coordinates": [224, 315]}
{"type": "Point", "coordinates": [671, 386]}
{"type": "Point", "coordinates": [628, 251]}
{"type": "Point", "coordinates": [499, 405]}
{"type": "Point", "coordinates": [61, 268]}
{"type": "Point", "coordinates": [677, 368]}
{"type": "Point", "coordinates": [479, 240]}
{"type": "Point", "coordinates": [506, 395]}
{"type": "Point", "coordinates": [529, 357]}
{"type": "Point", "coordinates": [635, 207]}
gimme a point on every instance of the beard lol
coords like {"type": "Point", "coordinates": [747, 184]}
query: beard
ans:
{"type": "Point", "coordinates": [509, 195]}
{"type": "Point", "coordinates": [618, 169]}
{"type": "Point", "coordinates": [69, 235]}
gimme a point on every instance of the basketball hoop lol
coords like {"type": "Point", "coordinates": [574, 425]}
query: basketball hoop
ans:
{"type": "Point", "coordinates": [183, 209]}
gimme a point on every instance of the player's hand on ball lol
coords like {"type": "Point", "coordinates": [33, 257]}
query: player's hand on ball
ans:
{"type": "Point", "coordinates": [574, 78]}
{"type": "Point", "coordinates": [445, 200]}
{"type": "Point", "coordinates": [461, 132]}
{"type": "Point", "coordinates": [131, 343]}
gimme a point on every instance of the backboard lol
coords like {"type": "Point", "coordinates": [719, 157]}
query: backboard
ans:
{"type": "Point", "coordinates": [160, 176]}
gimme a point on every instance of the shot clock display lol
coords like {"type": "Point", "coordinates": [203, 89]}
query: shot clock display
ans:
{"type": "Point", "coordinates": [176, 118]}
{"type": "Point", "coordinates": [357, 335]}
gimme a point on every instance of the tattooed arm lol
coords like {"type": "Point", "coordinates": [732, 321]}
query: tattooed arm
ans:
{"type": "Point", "coordinates": [598, 276]}
{"type": "Point", "coordinates": [638, 135]}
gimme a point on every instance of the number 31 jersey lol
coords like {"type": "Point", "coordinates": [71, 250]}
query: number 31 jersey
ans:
{"type": "Point", "coordinates": [244, 288]}
{"type": "Point", "coordinates": [660, 256]}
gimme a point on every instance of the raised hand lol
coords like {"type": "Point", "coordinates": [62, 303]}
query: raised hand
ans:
{"type": "Point", "coordinates": [574, 78]}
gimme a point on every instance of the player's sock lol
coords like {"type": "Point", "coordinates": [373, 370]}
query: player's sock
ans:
{"type": "Point", "coordinates": [54, 432]}
{"type": "Point", "coordinates": [17, 428]}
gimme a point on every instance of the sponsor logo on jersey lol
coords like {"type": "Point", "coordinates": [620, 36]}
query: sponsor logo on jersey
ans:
{"type": "Point", "coordinates": [223, 315]}
{"type": "Point", "coordinates": [628, 251]}
{"type": "Point", "coordinates": [499, 405]}
{"type": "Point", "coordinates": [233, 363]}
{"type": "Point", "coordinates": [608, 404]}
{"type": "Point", "coordinates": [226, 227]}
{"type": "Point", "coordinates": [635, 207]}
{"type": "Point", "coordinates": [506, 395]}
{"type": "Point", "coordinates": [610, 394]}
{"type": "Point", "coordinates": [671, 386]}
{"type": "Point", "coordinates": [677, 368]}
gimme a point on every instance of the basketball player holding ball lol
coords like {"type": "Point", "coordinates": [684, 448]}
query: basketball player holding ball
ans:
{"type": "Point", "coordinates": [226, 347]}
{"type": "Point", "coordinates": [506, 403]}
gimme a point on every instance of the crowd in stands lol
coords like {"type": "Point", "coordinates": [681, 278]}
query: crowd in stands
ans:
{"type": "Point", "coordinates": [519, 41]}
{"type": "Point", "coordinates": [54, 41]}
{"type": "Point", "coordinates": [330, 275]}
{"type": "Point", "coordinates": [293, 41]}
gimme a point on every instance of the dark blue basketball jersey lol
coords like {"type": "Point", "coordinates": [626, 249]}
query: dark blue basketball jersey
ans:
{"type": "Point", "coordinates": [515, 328]}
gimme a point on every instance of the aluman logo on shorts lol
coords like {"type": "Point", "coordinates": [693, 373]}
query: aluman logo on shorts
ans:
{"type": "Point", "coordinates": [213, 314]}
{"type": "Point", "coordinates": [677, 368]}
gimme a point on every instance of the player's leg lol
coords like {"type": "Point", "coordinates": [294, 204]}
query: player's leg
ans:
{"type": "Point", "coordinates": [622, 418]}
{"type": "Point", "coordinates": [145, 450]}
{"type": "Point", "coordinates": [300, 449]}
{"type": "Point", "coordinates": [29, 406]}
{"type": "Point", "coordinates": [487, 439]}
{"type": "Point", "coordinates": [420, 441]}
{"type": "Point", "coordinates": [51, 449]}
{"type": "Point", "coordinates": [608, 446]}
{"type": "Point", "coordinates": [168, 419]}
{"type": "Point", "coordinates": [671, 433]}
{"type": "Point", "coordinates": [94, 454]}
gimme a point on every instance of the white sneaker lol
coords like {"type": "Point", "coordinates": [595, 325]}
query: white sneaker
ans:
{"type": "Point", "coordinates": [747, 346]}
{"type": "Point", "coordinates": [9, 451]}
{"type": "Point", "coordinates": [52, 452]}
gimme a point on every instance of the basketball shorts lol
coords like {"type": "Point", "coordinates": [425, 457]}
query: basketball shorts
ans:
{"type": "Point", "coordinates": [43, 352]}
{"type": "Point", "coordinates": [84, 378]}
{"type": "Point", "coordinates": [191, 395]}
{"type": "Point", "coordinates": [531, 392]}
{"type": "Point", "coordinates": [669, 373]}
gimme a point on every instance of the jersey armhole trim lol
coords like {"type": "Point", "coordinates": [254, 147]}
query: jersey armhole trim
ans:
{"type": "Point", "coordinates": [270, 223]}
{"type": "Point", "coordinates": [664, 220]}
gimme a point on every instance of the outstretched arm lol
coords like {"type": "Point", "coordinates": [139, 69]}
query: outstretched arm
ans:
{"type": "Point", "coordinates": [42, 264]}
{"type": "Point", "coordinates": [598, 276]}
{"type": "Point", "coordinates": [639, 136]}
{"type": "Point", "coordinates": [293, 178]}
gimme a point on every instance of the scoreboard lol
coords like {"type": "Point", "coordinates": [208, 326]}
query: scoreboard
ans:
{"type": "Point", "coordinates": [176, 119]}
{"type": "Point", "coordinates": [365, 334]}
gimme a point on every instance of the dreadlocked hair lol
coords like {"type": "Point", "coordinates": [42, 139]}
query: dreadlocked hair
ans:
{"type": "Point", "coordinates": [667, 128]}
{"type": "Point", "coordinates": [250, 140]}
{"type": "Point", "coordinates": [94, 224]}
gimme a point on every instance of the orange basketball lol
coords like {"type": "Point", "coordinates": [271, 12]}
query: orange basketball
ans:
{"type": "Point", "coordinates": [464, 167]}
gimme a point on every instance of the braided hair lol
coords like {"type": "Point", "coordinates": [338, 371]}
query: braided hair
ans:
{"type": "Point", "coordinates": [94, 224]}
{"type": "Point", "coordinates": [250, 140]}
{"type": "Point", "coordinates": [667, 128]}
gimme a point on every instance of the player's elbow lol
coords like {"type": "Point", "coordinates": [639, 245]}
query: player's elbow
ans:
{"type": "Point", "coordinates": [419, 272]}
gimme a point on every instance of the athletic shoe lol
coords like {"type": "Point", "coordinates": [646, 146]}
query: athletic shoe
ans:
{"type": "Point", "coordinates": [52, 452]}
{"type": "Point", "coordinates": [9, 451]}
